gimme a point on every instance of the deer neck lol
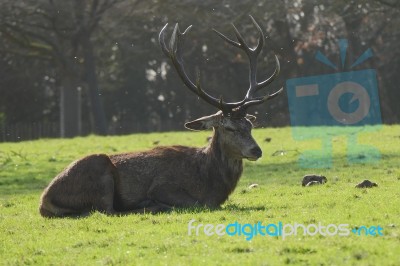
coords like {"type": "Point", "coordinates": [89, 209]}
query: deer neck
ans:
{"type": "Point", "coordinates": [226, 169]}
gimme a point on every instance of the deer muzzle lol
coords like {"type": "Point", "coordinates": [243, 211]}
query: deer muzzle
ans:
{"type": "Point", "coordinates": [254, 153]}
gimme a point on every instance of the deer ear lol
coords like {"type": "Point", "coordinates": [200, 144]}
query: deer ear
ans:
{"type": "Point", "coordinates": [203, 123]}
{"type": "Point", "coordinates": [252, 118]}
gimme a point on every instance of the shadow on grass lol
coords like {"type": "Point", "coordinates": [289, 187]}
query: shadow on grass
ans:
{"type": "Point", "coordinates": [192, 210]}
{"type": "Point", "coordinates": [21, 185]}
{"type": "Point", "coordinates": [228, 207]}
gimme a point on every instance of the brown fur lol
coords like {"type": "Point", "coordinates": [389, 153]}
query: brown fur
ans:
{"type": "Point", "coordinates": [157, 179]}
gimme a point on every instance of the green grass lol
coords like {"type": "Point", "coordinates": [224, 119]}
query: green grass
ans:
{"type": "Point", "coordinates": [27, 238]}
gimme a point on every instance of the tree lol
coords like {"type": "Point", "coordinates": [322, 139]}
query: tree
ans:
{"type": "Point", "coordinates": [113, 45]}
{"type": "Point", "coordinates": [61, 32]}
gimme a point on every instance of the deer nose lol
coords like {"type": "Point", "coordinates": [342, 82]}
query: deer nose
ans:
{"type": "Point", "coordinates": [256, 151]}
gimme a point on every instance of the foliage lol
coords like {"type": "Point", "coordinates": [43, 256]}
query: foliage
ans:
{"type": "Point", "coordinates": [27, 238]}
{"type": "Point", "coordinates": [134, 78]}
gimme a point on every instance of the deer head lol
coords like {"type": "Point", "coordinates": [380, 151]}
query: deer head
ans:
{"type": "Point", "coordinates": [232, 125]}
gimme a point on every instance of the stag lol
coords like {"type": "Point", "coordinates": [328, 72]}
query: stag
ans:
{"type": "Point", "coordinates": [165, 177]}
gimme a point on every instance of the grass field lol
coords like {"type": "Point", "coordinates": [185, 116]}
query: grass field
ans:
{"type": "Point", "coordinates": [162, 239]}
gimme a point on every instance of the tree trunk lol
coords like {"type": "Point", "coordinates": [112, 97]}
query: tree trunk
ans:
{"type": "Point", "coordinates": [99, 118]}
{"type": "Point", "coordinates": [70, 109]}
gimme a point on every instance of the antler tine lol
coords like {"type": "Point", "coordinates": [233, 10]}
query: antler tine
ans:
{"type": "Point", "coordinates": [254, 85]}
{"type": "Point", "coordinates": [161, 39]}
{"type": "Point", "coordinates": [260, 44]}
{"type": "Point", "coordinates": [269, 80]}
{"type": "Point", "coordinates": [232, 42]}
{"type": "Point", "coordinates": [240, 39]}
{"type": "Point", "coordinates": [174, 52]}
{"type": "Point", "coordinates": [261, 99]}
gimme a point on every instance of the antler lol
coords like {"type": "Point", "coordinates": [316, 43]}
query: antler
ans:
{"type": "Point", "coordinates": [252, 54]}
{"type": "Point", "coordinates": [174, 52]}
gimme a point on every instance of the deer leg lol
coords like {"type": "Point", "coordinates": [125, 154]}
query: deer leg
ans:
{"type": "Point", "coordinates": [171, 195]}
{"type": "Point", "coordinates": [103, 201]}
{"type": "Point", "coordinates": [80, 203]}
{"type": "Point", "coordinates": [162, 198]}
{"type": "Point", "coordinates": [86, 185]}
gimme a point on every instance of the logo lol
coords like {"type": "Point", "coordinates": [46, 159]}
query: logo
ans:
{"type": "Point", "coordinates": [337, 104]}
{"type": "Point", "coordinates": [249, 231]}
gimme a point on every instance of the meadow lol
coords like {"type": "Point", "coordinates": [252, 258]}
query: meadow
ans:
{"type": "Point", "coordinates": [162, 239]}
